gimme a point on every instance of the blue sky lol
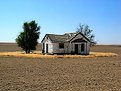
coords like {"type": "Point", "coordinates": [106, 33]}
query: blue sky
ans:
{"type": "Point", "coordinates": [62, 16]}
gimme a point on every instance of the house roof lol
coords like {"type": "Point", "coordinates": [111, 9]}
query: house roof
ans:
{"type": "Point", "coordinates": [80, 34]}
{"type": "Point", "coordinates": [57, 38]}
{"type": "Point", "coordinates": [67, 37]}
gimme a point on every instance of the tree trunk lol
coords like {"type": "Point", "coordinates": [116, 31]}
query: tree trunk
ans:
{"type": "Point", "coordinates": [26, 51]}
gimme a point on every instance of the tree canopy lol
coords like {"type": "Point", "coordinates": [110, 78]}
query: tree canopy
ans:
{"type": "Point", "coordinates": [84, 29]}
{"type": "Point", "coordinates": [28, 38]}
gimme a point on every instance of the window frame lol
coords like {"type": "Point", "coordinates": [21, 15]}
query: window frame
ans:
{"type": "Point", "coordinates": [61, 45]}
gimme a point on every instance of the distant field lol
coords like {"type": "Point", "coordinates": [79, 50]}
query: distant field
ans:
{"type": "Point", "coordinates": [9, 47]}
{"type": "Point", "coordinates": [61, 74]}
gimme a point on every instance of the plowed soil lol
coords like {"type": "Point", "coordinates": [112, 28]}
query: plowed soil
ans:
{"type": "Point", "coordinates": [61, 74]}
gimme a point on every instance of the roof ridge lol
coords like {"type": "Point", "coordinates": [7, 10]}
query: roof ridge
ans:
{"type": "Point", "coordinates": [54, 34]}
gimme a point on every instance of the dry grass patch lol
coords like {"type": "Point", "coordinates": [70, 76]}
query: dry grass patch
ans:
{"type": "Point", "coordinates": [102, 54]}
{"type": "Point", "coordinates": [37, 54]}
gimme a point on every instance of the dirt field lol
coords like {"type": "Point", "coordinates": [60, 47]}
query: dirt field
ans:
{"type": "Point", "coordinates": [10, 47]}
{"type": "Point", "coordinates": [61, 74]}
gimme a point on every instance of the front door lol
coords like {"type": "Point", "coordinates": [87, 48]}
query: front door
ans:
{"type": "Point", "coordinates": [76, 48]}
{"type": "Point", "coordinates": [43, 48]}
{"type": "Point", "coordinates": [82, 47]}
{"type": "Point", "coordinates": [46, 48]}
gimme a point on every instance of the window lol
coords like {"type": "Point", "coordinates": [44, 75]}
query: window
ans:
{"type": "Point", "coordinates": [61, 45]}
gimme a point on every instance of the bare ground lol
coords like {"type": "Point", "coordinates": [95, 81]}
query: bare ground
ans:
{"type": "Point", "coordinates": [62, 74]}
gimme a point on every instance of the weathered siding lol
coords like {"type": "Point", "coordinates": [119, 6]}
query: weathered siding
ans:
{"type": "Point", "coordinates": [56, 48]}
{"type": "Point", "coordinates": [66, 47]}
{"type": "Point", "coordinates": [50, 46]}
{"type": "Point", "coordinates": [86, 48]}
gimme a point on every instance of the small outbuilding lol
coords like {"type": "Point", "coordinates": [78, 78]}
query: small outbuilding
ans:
{"type": "Point", "coordinates": [68, 43]}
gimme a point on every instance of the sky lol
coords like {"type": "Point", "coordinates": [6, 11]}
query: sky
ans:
{"type": "Point", "coordinates": [62, 16]}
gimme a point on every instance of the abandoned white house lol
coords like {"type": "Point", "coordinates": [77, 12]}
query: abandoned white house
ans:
{"type": "Point", "coordinates": [75, 43]}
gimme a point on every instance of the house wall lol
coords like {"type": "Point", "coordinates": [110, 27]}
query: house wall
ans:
{"type": "Point", "coordinates": [50, 45]}
{"type": "Point", "coordinates": [86, 48]}
{"type": "Point", "coordinates": [70, 47]}
{"type": "Point", "coordinates": [56, 48]}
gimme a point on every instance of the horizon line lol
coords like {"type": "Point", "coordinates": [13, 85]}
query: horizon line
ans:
{"type": "Point", "coordinates": [40, 42]}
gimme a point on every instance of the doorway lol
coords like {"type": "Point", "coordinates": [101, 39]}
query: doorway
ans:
{"type": "Point", "coordinates": [46, 48]}
{"type": "Point", "coordinates": [82, 47]}
{"type": "Point", "coordinates": [43, 48]}
{"type": "Point", "coordinates": [76, 48]}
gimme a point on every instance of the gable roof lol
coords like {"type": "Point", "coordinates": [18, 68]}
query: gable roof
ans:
{"type": "Point", "coordinates": [80, 34]}
{"type": "Point", "coordinates": [67, 37]}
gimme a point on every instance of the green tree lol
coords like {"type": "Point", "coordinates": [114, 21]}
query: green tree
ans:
{"type": "Point", "coordinates": [84, 29]}
{"type": "Point", "coordinates": [27, 39]}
